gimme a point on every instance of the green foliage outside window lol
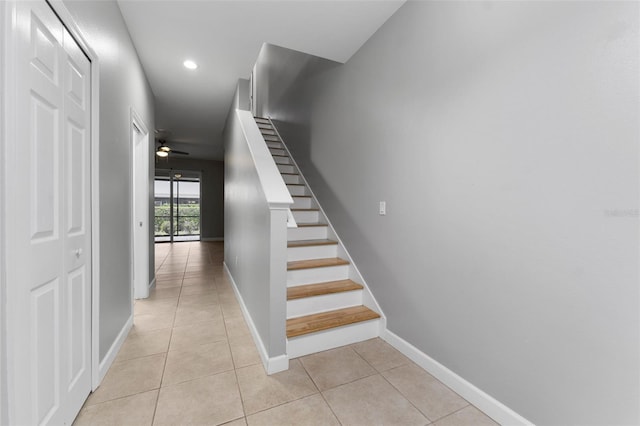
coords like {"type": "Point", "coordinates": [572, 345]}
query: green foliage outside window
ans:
{"type": "Point", "coordinates": [187, 215]}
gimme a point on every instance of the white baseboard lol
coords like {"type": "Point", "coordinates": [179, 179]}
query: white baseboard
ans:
{"type": "Point", "coordinates": [271, 365]}
{"type": "Point", "coordinates": [485, 402]}
{"type": "Point", "coordinates": [105, 364]}
{"type": "Point", "coordinates": [212, 239]}
{"type": "Point", "coordinates": [152, 284]}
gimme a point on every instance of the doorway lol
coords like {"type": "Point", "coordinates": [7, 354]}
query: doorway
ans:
{"type": "Point", "coordinates": [177, 203]}
{"type": "Point", "coordinates": [140, 204]}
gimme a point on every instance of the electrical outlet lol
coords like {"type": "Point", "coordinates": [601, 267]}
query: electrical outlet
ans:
{"type": "Point", "coordinates": [383, 208]}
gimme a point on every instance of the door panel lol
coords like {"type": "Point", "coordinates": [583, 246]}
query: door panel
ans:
{"type": "Point", "coordinates": [48, 268]}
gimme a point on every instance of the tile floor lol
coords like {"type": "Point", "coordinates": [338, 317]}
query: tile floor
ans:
{"type": "Point", "coordinates": [190, 359]}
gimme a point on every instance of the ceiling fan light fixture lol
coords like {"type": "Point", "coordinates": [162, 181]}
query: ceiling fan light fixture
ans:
{"type": "Point", "coordinates": [164, 148]}
{"type": "Point", "coordinates": [189, 64]}
{"type": "Point", "coordinates": [162, 153]}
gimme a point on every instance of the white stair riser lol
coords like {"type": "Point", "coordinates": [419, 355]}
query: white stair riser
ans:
{"type": "Point", "coordinates": [317, 275]}
{"type": "Point", "coordinates": [274, 145]}
{"type": "Point", "coordinates": [302, 203]}
{"type": "Point", "coordinates": [277, 151]}
{"type": "Point", "coordinates": [267, 132]}
{"type": "Point", "coordinates": [306, 216]}
{"type": "Point", "coordinates": [333, 338]}
{"type": "Point", "coordinates": [286, 168]}
{"type": "Point", "coordinates": [307, 233]}
{"type": "Point", "coordinates": [297, 189]}
{"type": "Point", "coordinates": [324, 303]}
{"type": "Point", "coordinates": [282, 160]}
{"type": "Point", "coordinates": [265, 126]}
{"type": "Point", "coordinates": [312, 252]}
{"type": "Point", "coordinates": [291, 178]}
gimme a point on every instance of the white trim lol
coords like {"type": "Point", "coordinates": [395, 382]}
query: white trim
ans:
{"type": "Point", "coordinates": [110, 356]}
{"type": "Point", "coordinates": [69, 22]}
{"type": "Point", "coordinates": [212, 239]}
{"type": "Point", "coordinates": [485, 402]}
{"type": "Point", "coordinates": [271, 365]}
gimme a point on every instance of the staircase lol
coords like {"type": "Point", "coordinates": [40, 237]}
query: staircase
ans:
{"type": "Point", "coordinates": [327, 306]}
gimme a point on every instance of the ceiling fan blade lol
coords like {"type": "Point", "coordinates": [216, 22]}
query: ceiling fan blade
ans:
{"type": "Point", "coordinates": [173, 151]}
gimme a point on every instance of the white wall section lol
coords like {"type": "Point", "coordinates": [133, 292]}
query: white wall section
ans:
{"type": "Point", "coordinates": [503, 137]}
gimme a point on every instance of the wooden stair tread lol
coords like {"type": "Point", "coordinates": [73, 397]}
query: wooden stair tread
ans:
{"type": "Point", "coordinates": [309, 243]}
{"type": "Point", "coordinates": [301, 196]}
{"type": "Point", "coordinates": [326, 320]}
{"type": "Point", "coordinates": [315, 263]}
{"type": "Point", "coordinates": [290, 174]}
{"type": "Point", "coordinates": [319, 289]}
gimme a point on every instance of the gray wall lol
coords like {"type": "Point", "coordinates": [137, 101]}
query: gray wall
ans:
{"type": "Point", "coordinates": [123, 85]}
{"type": "Point", "coordinates": [3, 298]}
{"type": "Point", "coordinates": [250, 241]}
{"type": "Point", "coordinates": [212, 188]}
{"type": "Point", "coordinates": [504, 138]}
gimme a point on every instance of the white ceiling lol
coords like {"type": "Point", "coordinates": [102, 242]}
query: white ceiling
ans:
{"type": "Point", "coordinates": [224, 38]}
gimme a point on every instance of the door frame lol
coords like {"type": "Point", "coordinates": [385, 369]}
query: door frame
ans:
{"type": "Point", "coordinates": [140, 290]}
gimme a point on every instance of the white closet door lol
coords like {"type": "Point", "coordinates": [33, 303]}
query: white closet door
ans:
{"type": "Point", "coordinates": [49, 268]}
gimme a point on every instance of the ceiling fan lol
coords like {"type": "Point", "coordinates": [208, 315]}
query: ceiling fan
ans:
{"type": "Point", "coordinates": [163, 150]}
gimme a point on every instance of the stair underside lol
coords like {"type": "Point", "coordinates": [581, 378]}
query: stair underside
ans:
{"type": "Point", "coordinates": [327, 320]}
{"type": "Point", "coordinates": [319, 289]}
{"type": "Point", "coordinates": [309, 243]}
{"type": "Point", "coordinates": [315, 263]}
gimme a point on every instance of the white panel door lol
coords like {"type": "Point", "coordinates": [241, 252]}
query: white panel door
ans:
{"type": "Point", "coordinates": [49, 267]}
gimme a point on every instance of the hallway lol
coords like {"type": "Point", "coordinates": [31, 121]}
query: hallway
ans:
{"type": "Point", "coordinates": [190, 359]}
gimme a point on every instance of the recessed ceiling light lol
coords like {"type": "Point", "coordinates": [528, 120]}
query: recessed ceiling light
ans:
{"type": "Point", "coordinates": [190, 64]}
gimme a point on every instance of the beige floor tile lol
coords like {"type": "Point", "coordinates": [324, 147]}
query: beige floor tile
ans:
{"type": "Point", "coordinates": [198, 289]}
{"type": "Point", "coordinates": [144, 343]}
{"type": "Point", "coordinates": [164, 293]}
{"type": "Point", "coordinates": [244, 352]}
{"type": "Point", "coordinates": [231, 311]}
{"type": "Point", "coordinates": [201, 333]}
{"type": "Point", "coordinates": [135, 410]}
{"type": "Point", "coordinates": [129, 377]}
{"type": "Point", "coordinates": [210, 400]}
{"type": "Point", "coordinates": [372, 401]}
{"type": "Point", "coordinates": [155, 306]}
{"type": "Point", "coordinates": [199, 280]}
{"type": "Point", "coordinates": [428, 394]}
{"type": "Point", "coordinates": [238, 422]}
{"type": "Point", "coordinates": [198, 361]}
{"type": "Point", "coordinates": [381, 355]}
{"type": "Point", "coordinates": [236, 327]}
{"type": "Point", "coordinates": [172, 283]}
{"type": "Point", "coordinates": [151, 322]}
{"type": "Point", "coordinates": [260, 392]}
{"type": "Point", "coordinates": [468, 416]}
{"type": "Point", "coordinates": [335, 367]}
{"type": "Point", "coordinates": [198, 299]}
{"type": "Point", "coordinates": [196, 314]}
{"type": "Point", "coordinates": [309, 411]}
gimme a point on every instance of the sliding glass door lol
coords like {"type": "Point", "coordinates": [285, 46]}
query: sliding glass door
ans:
{"type": "Point", "coordinates": [177, 208]}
